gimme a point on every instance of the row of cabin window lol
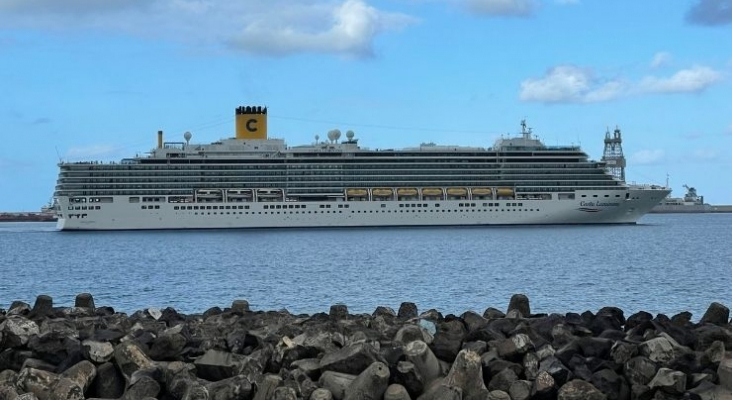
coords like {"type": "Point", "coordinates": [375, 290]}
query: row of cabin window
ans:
{"type": "Point", "coordinates": [209, 207]}
{"type": "Point", "coordinates": [357, 212]}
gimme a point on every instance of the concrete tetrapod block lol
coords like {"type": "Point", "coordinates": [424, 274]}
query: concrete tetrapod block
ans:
{"type": "Point", "coordinates": [669, 381]}
{"type": "Point", "coordinates": [8, 392]}
{"type": "Point", "coordinates": [81, 373]}
{"type": "Point", "coordinates": [396, 391]}
{"type": "Point", "coordinates": [520, 303]}
{"type": "Point", "coordinates": [237, 387]}
{"type": "Point", "coordinates": [724, 371]}
{"type": "Point", "coordinates": [579, 390]}
{"type": "Point", "coordinates": [66, 389]}
{"type": "Point", "coordinates": [424, 360]}
{"type": "Point", "coordinates": [240, 306]}
{"type": "Point", "coordinates": [267, 388]}
{"type": "Point", "coordinates": [145, 387]}
{"type": "Point", "coordinates": [497, 395]}
{"type": "Point", "coordinates": [284, 393]}
{"type": "Point", "coordinates": [99, 352]}
{"type": "Point", "coordinates": [336, 383]}
{"type": "Point", "coordinates": [442, 392]}
{"type": "Point", "coordinates": [42, 306]}
{"type": "Point", "coordinates": [84, 300]}
{"type": "Point", "coordinates": [352, 359]}
{"type": "Point", "coordinates": [520, 390]}
{"type": "Point", "coordinates": [36, 381]}
{"type": "Point", "coordinates": [407, 310]}
{"type": "Point", "coordinates": [196, 391]}
{"type": "Point", "coordinates": [321, 394]}
{"type": "Point", "coordinates": [17, 331]}
{"type": "Point", "coordinates": [338, 311]}
{"type": "Point", "coordinates": [406, 375]}
{"type": "Point", "coordinates": [467, 374]}
{"type": "Point", "coordinates": [216, 365]}
{"type": "Point", "coordinates": [130, 358]}
{"type": "Point", "coordinates": [109, 383]}
{"type": "Point", "coordinates": [408, 333]}
{"type": "Point", "coordinates": [369, 384]}
{"type": "Point", "coordinates": [717, 314]}
{"type": "Point", "coordinates": [27, 396]}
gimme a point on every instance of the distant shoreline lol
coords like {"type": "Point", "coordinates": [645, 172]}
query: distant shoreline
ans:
{"type": "Point", "coordinates": [26, 217]}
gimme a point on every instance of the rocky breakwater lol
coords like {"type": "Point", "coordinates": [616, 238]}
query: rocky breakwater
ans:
{"type": "Point", "coordinates": [84, 352]}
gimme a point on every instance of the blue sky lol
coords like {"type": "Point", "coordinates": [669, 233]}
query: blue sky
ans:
{"type": "Point", "coordinates": [95, 80]}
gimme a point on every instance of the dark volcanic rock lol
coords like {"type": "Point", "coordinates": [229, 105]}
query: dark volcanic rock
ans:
{"type": "Point", "coordinates": [92, 352]}
{"type": "Point", "coordinates": [407, 310]}
{"type": "Point", "coordinates": [216, 365]}
{"type": "Point", "coordinates": [17, 331]}
{"type": "Point", "coordinates": [109, 383]}
{"type": "Point", "coordinates": [168, 346]}
{"type": "Point", "coordinates": [637, 319]}
{"type": "Point", "coordinates": [351, 359]}
{"type": "Point", "coordinates": [579, 390]}
{"type": "Point", "coordinates": [493, 313]}
{"type": "Point", "coordinates": [613, 385]}
{"type": "Point", "coordinates": [449, 339]}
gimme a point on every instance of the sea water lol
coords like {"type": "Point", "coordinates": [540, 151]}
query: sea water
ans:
{"type": "Point", "coordinates": [667, 263]}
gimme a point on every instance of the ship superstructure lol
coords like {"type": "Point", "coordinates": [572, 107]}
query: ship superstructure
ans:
{"type": "Point", "coordinates": [253, 181]}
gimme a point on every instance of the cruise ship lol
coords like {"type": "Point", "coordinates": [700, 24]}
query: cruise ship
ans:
{"type": "Point", "coordinates": [254, 181]}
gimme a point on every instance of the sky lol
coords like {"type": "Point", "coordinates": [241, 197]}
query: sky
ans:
{"type": "Point", "coordinates": [96, 79]}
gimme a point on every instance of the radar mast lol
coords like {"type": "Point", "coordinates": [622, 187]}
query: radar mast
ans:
{"type": "Point", "coordinates": [613, 154]}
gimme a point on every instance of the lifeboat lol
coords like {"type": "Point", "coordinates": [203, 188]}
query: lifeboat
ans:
{"type": "Point", "coordinates": [457, 192]}
{"type": "Point", "coordinates": [208, 193]}
{"type": "Point", "coordinates": [239, 193]}
{"type": "Point", "coordinates": [356, 192]}
{"type": "Point", "coordinates": [481, 191]}
{"type": "Point", "coordinates": [504, 192]}
{"type": "Point", "coordinates": [431, 192]}
{"type": "Point", "coordinates": [382, 192]}
{"type": "Point", "coordinates": [406, 192]}
{"type": "Point", "coordinates": [269, 193]}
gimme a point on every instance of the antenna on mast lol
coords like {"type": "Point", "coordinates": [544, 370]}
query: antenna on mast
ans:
{"type": "Point", "coordinates": [525, 131]}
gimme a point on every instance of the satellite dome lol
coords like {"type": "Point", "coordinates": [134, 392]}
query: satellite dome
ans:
{"type": "Point", "coordinates": [334, 134]}
{"type": "Point", "coordinates": [187, 136]}
{"type": "Point", "coordinates": [350, 135]}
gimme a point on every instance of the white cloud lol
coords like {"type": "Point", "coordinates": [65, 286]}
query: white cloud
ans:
{"type": "Point", "coordinates": [694, 80]}
{"type": "Point", "coordinates": [510, 8]}
{"type": "Point", "coordinates": [273, 27]}
{"type": "Point", "coordinates": [705, 155]}
{"type": "Point", "coordinates": [574, 84]}
{"type": "Point", "coordinates": [710, 12]}
{"type": "Point", "coordinates": [645, 157]}
{"type": "Point", "coordinates": [660, 59]}
{"type": "Point", "coordinates": [350, 28]}
{"type": "Point", "coordinates": [570, 84]}
{"type": "Point", "coordinates": [567, 2]}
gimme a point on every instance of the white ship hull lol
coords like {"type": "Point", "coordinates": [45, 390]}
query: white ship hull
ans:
{"type": "Point", "coordinates": [589, 207]}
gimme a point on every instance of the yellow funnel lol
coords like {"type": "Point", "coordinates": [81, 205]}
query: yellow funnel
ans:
{"type": "Point", "coordinates": [251, 122]}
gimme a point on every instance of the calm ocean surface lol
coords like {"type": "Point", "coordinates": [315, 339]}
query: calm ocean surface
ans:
{"type": "Point", "coordinates": [666, 264]}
